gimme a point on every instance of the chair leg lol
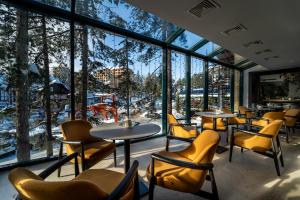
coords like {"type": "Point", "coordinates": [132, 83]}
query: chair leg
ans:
{"type": "Point", "coordinates": [167, 144]}
{"type": "Point", "coordinates": [280, 150]}
{"type": "Point", "coordinates": [115, 155]}
{"type": "Point", "coordinates": [230, 151]}
{"type": "Point", "coordinates": [242, 149]}
{"type": "Point", "coordinates": [59, 158]}
{"type": "Point", "coordinates": [276, 163]}
{"type": "Point", "coordinates": [213, 185]}
{"type": "Point", "coordinates": [151, 188]}
{"type": "Point", "coordinates": [287, 134]}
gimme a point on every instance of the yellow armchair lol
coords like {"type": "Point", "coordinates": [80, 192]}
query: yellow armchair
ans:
{"type": "Point", "coordinates": [291, 116]}
{"type": "Point", "coordinates": [77, 138]}
{"type": "Point", "coordinates": [265, 142]}
{"type": "Point", "coordinates": [186, 170]}
{"type": "Point", "coordinates": [180, 131]}
{"type": "Point", "coordinates": [235, 120]}
{"type": "Point", "coordinates": [267, 118]}
{"type": "Point", "coordinates": [93, 184]}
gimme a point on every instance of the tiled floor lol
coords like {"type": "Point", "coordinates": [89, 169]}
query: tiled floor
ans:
{"type": "Point", "coordinates": [248, 176]}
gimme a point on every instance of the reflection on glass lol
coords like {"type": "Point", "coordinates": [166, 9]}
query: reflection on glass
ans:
{"type": "Point", "coordinates": [218, 87]}
{"type": "Point", "coordinates": [178, 84]}
{"type": "Point", "coordinates": [64, 4]}
{"type": "Point", "coordinates": [187, 40]}
{"type": "Point", "coordinates": [124, 15]}
{"type": "Point", "coordinates": [197, 85]}
{"type": "Point", "coordinates": [208, 48]}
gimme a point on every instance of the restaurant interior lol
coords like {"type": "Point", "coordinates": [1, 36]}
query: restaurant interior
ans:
{"type": "Point", "coordinates": [160, 99]}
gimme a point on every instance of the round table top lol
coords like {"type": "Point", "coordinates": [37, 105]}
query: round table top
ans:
{"type": "Point", "coordinates": [216, 115]}
{"type": "Point", "coordinates": [139, 131]}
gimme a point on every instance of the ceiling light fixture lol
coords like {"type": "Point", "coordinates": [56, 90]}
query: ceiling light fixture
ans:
{"type": "Point", "coordinates": [272, 57]}
{"type": "Point", "coordinates": [255, 42]}
{"type": "Point", "coordinates": [263, 51]}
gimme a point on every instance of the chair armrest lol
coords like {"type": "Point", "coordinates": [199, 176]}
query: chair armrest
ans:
{"type": "Point", "coordinates": [254, 133]}
{"type": "Point", "coordinates": [60, 163]}
{"type": "Point", "coordinates": [181, 119]}
{"type": "Point", "coordinates": [180, 163]}
{"type": "Point", "coordinates": [241, 130]}
{"type": "Point", "coordinates": [190, 140]}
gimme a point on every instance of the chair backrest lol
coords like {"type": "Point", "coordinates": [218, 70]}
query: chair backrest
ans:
{"type": "Point", "coordinates": [32, 187]}
{"type": "Point", "coordinates": [172, 119]}
{"type": "Point", "coordinates": [128, 189]}
{"type": "Point", "coordinates": [176, 130]}
{"type": "Point", "coordinates": [291, 116]}
{"type": "Point", "coordinates": [271, 116]}
{"type": "Point", "coordinates": [273, 128]}
{"type": "Point", "coordinates": [77, 130]}
{"type": "Point", "coordinates": [242, 110]}
{"type": "Point", "coordinates": [202, 150]}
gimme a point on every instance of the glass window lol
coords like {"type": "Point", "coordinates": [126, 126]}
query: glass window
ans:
{"type": "Point", "coordinates": [187, 40]}
{"type": "Point", "coordinates": [124, 15]}
{"type": "Point", "coordinates": [208, 48]}
{"type": "Point", "coordinates": [197, 85]}
{"type": "Point", "coordinates": [43, 64]}
{"type": "Point", "coordinates": [218, 87]}
{"type": "Point", "coordinates": [63, 4]}
{"type": "Point", "coordinates": [178, 84]}
{"type": "Point", "coordinates": [237, 78]}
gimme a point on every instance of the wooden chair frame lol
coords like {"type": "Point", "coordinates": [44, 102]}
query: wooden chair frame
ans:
{"type": "Point", "coordinates": [203, 166]}
{"type": "Point", "coordinates": [118, 191]}
{"type": "Point", "coordinates": [170, 135]}
{"type": "Point", "coordinates": [275, 152]}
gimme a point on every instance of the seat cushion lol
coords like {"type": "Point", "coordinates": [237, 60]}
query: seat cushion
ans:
{"type": "Point", "coordinates": [252, 142]}
{"type": "Point", "coordinates": [209, 126]}
{"type": "Point", "coordinates": [184, 132]}
{"type": "Point", "coordinates": [107, 180]}
{"type": "Point", "coordinates": [93, 152]}
{"type": "Point", "coordinates": [176, 178]}
{"type": "Point", "coordinates": [261, 123]}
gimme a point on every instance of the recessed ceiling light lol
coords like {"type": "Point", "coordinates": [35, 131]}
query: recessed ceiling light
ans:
{"type": "Point", "coordinates": [272, 57]}
{"type": "Point", "coordinates": [263, 51]}
{"type": "Point", "coordinates": [255, 42]}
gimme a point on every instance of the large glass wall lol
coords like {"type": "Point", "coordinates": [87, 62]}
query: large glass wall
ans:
{"type": "Point", "coordinates": [115, 77]}
{"type": "Point", "coordinates": [218, 87]}
{"type": "Point", "coordinates": [35, 81]}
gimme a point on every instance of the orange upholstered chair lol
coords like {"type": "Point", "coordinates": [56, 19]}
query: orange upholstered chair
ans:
{"type": "Point", "coordinates": [235, 120]}
{"type": "Point", "coordinates": [291, 116]}
{"type": "Point", "coordinates": [180, 131]}
{"type": "Point", "coordinates": [186, 170]}
{"type": "Point", "coordinates": [92, 184]}
{"type": "Point", "coordinates": [245, 113]}
{"type": "Point", "coordinates": [265, 142]}
{"type": "Point", "coordinates": [78, 139]}
{"type": "Point", "coordinates": [267, 118]}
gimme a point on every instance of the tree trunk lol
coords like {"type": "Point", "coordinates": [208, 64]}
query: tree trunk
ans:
{"type": "Point", "coordinates": [46, 99]}
{"type": "Point", "coordinates": [22, 87]}
{"type": "Point", "coordinates": [169, 80]}
{"type": "Point", "coordinates": [85, 52]}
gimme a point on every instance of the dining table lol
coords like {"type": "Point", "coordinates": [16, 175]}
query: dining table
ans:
{"type": "Point", "coordinates": [215, 116]}
{"type": "Point", "coordinates": [138, 131]}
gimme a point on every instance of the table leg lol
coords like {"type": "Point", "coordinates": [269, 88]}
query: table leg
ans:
{"type": "Point", "coordinates": [143, 187]}
{"type": "Point", "coordinates": [127, 155]}
{"type": "Point", "coordinates": [220, 149]}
